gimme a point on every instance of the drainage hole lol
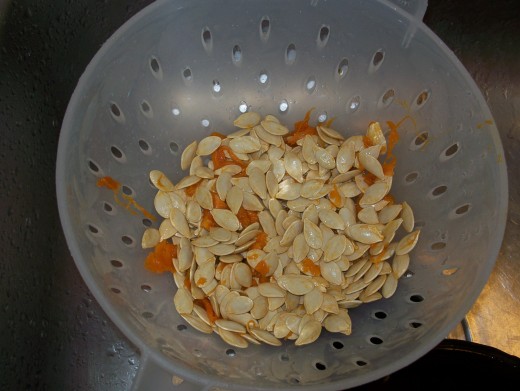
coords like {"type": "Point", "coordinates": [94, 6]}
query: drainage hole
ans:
{"type": "Point", "coordinates": [320, 366]}
{"type": "Point", "coordinates": [416, 298]}
{"type": "Point", "coordinates": [376, 340]}
{"type": "Point", "coordinates": [380, 315]}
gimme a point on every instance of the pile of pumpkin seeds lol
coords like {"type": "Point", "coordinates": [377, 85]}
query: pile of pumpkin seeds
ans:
{"type": "Point", "coordinates": [329, 233]}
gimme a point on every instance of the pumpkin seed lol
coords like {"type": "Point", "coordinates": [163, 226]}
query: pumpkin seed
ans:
{"type": "Point", "coordinates": [368, 215]}
{"type": "Point", "coordinates": [331, 219]}
{"type": "Point", "coordinates": [313, 235]}
{"type": "Point", "coordinates": [187, 181]}
{"type": "Point", "coordinates": [187, 155]}
{"type": "Point", "coordinates": [226, 219]}
{"type": "Point", "coordinates": [180, 223]}
{"type": "Point", "coordinates": [208, 145]}
{"type": "Point", "coordinates": [389, 213]}
{"type": "Point", "coordinates": [151, 238]}
{"type": "Point", "coordinates": [407, 243]}
{"type": "Point", "coordinates": [296, 284]}
{"type": "Point", "coordinates": [288, 190]}
{"type": "Point", "coordinates": [337, 324]}
{"type": "Point", "coordinates": [371, 164]}
{"type": "Point", "coordinates": [345, 158]}
{"type": "Point", "coordinates": [376, 136]}
{"type": "Point", "coordinates": [309, 333]}
{"type": "Point", "coordinates": [232, 338]}
{"type": "Point", "coordinates": [265, 337]}
{"type": "Point", "coordinates": [166, 230]}
{"type": "Point", "coordinates": [313, 300]}
{"type": "Point", "coordinates": [268, 137]}
{"type": "Point", "coordinates": [365, 233]}
{"type": "Point", "coordinates": [324, 158]}
{"type": "Point", "coordinates": [247, 120]}
{"type": "Point", "coordinates": [400, 264]}
{"type": "Point", "coordinates": [291, 232]}
{"type": "Point", "coordinates": [269, 289]}
{"type": "Point", "coordinates": [408, 218]}
{"type": "Point", "coordinates": [274, 128]}
{"type": "Point", "coordinates": [257, 182]}
{"type": "Point", "coordinates": [334, 248]}
{"type": "Point", "coordinates": [161, 181]}
{"type": "Point", "coordinates": [293, 166]}
{"type": "Point", "coordinates": [183, 301]}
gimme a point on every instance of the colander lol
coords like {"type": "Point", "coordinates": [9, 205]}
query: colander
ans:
{"type": "Point", "coordinates": [180, 70]}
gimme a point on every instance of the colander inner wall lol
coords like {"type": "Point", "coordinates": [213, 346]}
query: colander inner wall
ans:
{"type": "Point", "coordinates": [179, 71]}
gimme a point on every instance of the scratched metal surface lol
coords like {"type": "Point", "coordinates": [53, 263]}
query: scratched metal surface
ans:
{"type": "Point", "coordinates": [53, 334]}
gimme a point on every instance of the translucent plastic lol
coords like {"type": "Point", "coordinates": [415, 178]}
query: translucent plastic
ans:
{"type": "Point", "coordinates": [182, 69]}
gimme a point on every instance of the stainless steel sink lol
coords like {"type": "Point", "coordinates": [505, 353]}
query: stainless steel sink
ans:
{"type": "Point", "coordinates": [53, 335]}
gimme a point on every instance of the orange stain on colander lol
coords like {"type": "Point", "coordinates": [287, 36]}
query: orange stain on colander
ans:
{"type": "Point", "coordinates": [482, 124]}
{"type": "Point", "coordinates": [393, 138]}
{"type": "Point", "coordinates": [111, 184]}
{"type": "Point", "coordinates": [160, 260]}
{"type": "Point", "coordinates": [310, 267]}
{"type": "Point", "coordinates": [301, 129]}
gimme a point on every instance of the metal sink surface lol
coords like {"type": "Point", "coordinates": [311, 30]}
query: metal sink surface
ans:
{"type": "Point", "coordinates": [53, 334]}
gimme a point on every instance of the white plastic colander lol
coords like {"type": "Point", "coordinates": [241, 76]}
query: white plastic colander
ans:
{"type": "Point", "coordinates": [181, 69]}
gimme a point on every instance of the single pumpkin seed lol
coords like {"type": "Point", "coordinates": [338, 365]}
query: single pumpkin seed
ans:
{"type": "Point", "coordinates": [187, 155]}
{"type": "Point", "coordinates": [407, 243]}
{"type": "Point", "coordinates": [151, 238]}
{"type": "Point", "coordinates": [187, 181]}
{"type": "Point", "coordinates": [180, 223]}
{"type": "Point", "coordinates": [296, 284]}
{"type": "Point", "coordinates": [208, 145]}
{"type": "Point", "coordinates": [233, 339]}
{"type": "Point", "coordinates": [408, 218]}
{"type": "Point", "coordinates": [183, 301]}
{"type": "Point", "coordinates": [309, 333]}
{"type": "Point", "coordinates": [226, 219]}
{"type": "Point", "coordinates": [245, 144]}
{"type": "Point", "coordinates": [293, 166]}
{"type": "Point", "coordinates": [257, 182]}
{"type": "Point", "coordinates": [365, 233]}
{"type": "Point", "coordinates": [247, 120]}
{"type": "Point", "coordinates": [275, 128]}
{"type": "Point", "coordinates": [313, 235]}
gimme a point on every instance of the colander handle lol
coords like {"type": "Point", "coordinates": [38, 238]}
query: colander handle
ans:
{"type": "Point", "coordinates": [152, 376]}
